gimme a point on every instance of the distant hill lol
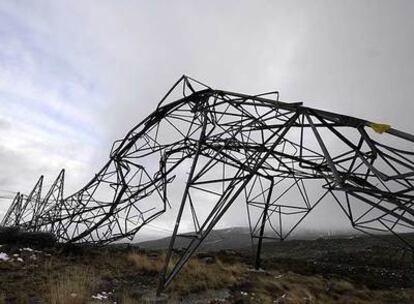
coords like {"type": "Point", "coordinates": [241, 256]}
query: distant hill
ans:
{"type": "Point", "coordinates": [229, 238]}
{"type": "Point", "coordinates": [236, 238]}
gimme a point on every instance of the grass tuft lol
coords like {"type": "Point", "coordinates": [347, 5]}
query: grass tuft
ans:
{"type": "Point", "coordinates": [146, 264]}
{"type": "Point", "coordinates": [73, 286]}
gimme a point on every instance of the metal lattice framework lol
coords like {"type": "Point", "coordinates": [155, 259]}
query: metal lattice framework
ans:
{"type": "Point", "coordinates": [203, 149]}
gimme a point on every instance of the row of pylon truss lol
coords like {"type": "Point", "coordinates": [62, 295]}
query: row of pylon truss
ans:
{"type": "Point", "coordinates": [34, 212]}
{"type": "Point", "coordinates": [202, 150]}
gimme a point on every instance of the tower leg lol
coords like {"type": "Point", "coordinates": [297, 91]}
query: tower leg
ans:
{"type": "Point", "coordinates": [262, 227]}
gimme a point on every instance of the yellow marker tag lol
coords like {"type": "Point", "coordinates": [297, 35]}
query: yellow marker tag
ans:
{"type": "Point", "coordinates": [379, 128]}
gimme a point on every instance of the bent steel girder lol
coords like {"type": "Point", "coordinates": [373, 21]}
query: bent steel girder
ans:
{"type": "Point", "coordinates": [202, 150]}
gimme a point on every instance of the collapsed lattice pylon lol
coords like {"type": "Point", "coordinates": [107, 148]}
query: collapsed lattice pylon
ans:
{"type": "Point", "coordinates": [13, 214]}
{"type": "Point", "coordinates": [202, 150]}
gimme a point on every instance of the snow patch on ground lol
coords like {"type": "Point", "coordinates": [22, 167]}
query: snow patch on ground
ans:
{"type": "Point", "coordinates": [29, 249]}
{"type": "Point", "coordinates": [103, 295]}
{"type": "Point", "coordinates": [4, 256]}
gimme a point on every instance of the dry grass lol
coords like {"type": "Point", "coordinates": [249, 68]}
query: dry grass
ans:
{"type": "Point", "coordinates": [291, 288]}
{"type": "Point", "coordinates": [196, 275]}
{"type": "Point", "coordinates": [146, 264]}
{"type": "Point", "coordinates": [73, 286]}
{"type": "Point", "coordinates": [199, 276]}
{"type": "Point", "coordinates": [53, 279]}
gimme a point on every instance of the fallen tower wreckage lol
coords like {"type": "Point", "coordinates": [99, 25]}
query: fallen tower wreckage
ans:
{"type": "Point", "coordinates": [208, 148]}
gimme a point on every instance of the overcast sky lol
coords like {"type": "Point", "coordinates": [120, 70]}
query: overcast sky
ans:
{"type": "Point", "coordinates": [76, 75]}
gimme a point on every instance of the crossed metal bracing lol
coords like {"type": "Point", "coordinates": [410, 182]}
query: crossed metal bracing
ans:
{"type": "Point", "coordinates": [202, 150]}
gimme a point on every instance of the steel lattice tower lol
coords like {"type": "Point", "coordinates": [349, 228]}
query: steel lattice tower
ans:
{"type": "Point", "coordinates": [280, 158]}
